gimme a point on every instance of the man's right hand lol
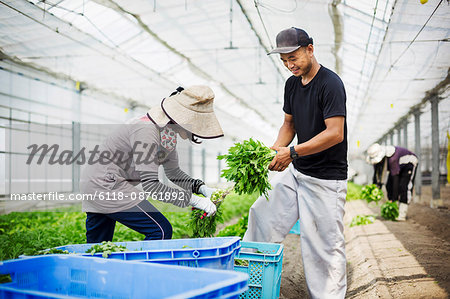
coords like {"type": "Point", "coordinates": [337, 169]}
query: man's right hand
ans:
{"type": "Point", "coordinates": [203, 203]}
{"type": "Point", "coordinates": [281, 160]}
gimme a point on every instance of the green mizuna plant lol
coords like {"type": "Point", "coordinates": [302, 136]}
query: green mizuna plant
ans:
{"type": "Point", "coordinates": [248, 167]}
{"type": "Point", "coordinates": [362, 220]}
{"type": "Point", "coordinates": [372, 193]}
{"type": "Point", "coordinates": [202, 226]}
{"type": "Point", "coordinates": [389, 210]}
{"type": "Point", "coordinates": [106, 247]}
{"type": "Point", "coordinates": [52, 251]}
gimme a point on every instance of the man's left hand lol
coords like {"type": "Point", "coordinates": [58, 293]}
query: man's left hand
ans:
{"type": "Point", "coordinates": [282, 159]}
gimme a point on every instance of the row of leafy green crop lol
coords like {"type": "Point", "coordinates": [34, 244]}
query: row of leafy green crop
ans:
{"type": "Point", "coordinates": [373, 195]}
{"type": "Point", "coordinates": [353, 191]}
{"type": "Point", "coordinates": [28, 232]}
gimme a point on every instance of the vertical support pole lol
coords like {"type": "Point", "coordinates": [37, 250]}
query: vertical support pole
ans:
{"type": "Point", "coordinates": [399, 136]}
{"type": "Point", "coordinates": [405, 134]}
{"type": "Point", "coordinates": [76, 135]}
{"type": "Point", "coordinates": [427, 158]}
{"type": "Point", "coordinates": [8, 155]}
{"type": "Point", "coordinates": [391, 137]}
{"type": "Point", "coordinates": [29, 142]}
{"type": "Point", "coordinates": [417, 151]}
{"type": "Point", "coordinates": [435, 190]}
{"type": "Point", "coordinates": [75, 149]}
{"type": "Point", "coordinates": [203, 164]}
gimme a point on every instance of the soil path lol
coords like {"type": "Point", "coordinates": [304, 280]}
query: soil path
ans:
{"type": "Point", "coordinates": [386, 259]}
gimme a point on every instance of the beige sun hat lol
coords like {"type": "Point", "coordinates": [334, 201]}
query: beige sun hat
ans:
{"type": "Point", "coordinates": [376, 153]}
{"type": "Point", "coordinates": [158, 116]}
{"type": "Point", "coordinates": [192, 109]}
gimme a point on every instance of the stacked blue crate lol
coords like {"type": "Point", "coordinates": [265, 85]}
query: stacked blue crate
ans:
{"type": "Point", "coordinates": [263, 264]}
{"type": "Point", "coordinates": [213, 253]}
{"type": "Point", "coordinates": [58, 276]}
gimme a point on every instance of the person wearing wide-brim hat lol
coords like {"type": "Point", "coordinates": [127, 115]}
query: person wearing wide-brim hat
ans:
{"type": "Point", "coordinates": [138, 149]}
{"type": "Point", "coordinates": [401, 165]}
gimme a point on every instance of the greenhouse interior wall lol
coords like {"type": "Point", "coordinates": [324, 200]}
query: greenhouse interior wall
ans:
{"type": "Point", "coordinates": [32, 100]}
{"type": "Point", "coordinates": [36, 104]}
{"type": "Point", "coordinates": [75, 73]}
{"type": "Point", "coordinates": [395, 70]}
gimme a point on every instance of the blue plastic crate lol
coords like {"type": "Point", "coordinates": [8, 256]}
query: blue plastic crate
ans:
{"type": "Point", "coordinates": [213, 253]}
{"type": "Point", "coordinates": [59, 276]}
{"type": "Point", "coordinates": [296, 228]}
{"type": "Point", "coordinates": [264, 269]}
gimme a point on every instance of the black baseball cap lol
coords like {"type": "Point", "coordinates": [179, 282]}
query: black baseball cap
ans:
{"type": "Point", "coordinates": [289, 40]}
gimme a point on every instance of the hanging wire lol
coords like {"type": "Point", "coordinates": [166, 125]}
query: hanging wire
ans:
{"type": "Point", "coordinates": [276, 9]}
{"type": "Point", "coordinates": [231, 27]}
{"type": "Point", "coordinates": [43, 10]}
{"type": "Point", "coordinates": [264, 25]}
{"type": "Point", "coordinates": [359, 106]}
{"type": "Point", "coordinates": [231, 24]}
{"type": "Point", "coordinates": [354, 106]}
{"type": "Point", "coordinates": [101, 32]}
{"type": "Point", "coordinates": [414, 39]}
{"type": "Point", "coordinates": [52, 5]}
{"type": "Point", "coordinates": [367, 47]}
{"type": "Point", "coordinates": [258, 36]}
{"type": "Point", "coordinates": [259, 68]}
{"type": "Point", "coordinates": [81, 14]}
{"type": "Point", "coordinates": [409, 44]}
{"type": "Point", "coordinates": [80, 42]}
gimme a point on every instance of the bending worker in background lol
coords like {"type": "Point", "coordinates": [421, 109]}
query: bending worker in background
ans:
{"type": "Point", "coordinates": [401, 165]}
{"type": "Point", "coordinates": [148, 142]}
{"type": "Point", "coordinates": [314, 186]}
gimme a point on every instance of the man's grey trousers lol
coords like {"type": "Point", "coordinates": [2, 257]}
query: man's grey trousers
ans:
{"type": "Point", "coordinates": [319, 204]}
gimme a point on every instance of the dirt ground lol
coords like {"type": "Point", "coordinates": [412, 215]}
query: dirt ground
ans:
{"type": "Point", "coordinates": [387, 259]}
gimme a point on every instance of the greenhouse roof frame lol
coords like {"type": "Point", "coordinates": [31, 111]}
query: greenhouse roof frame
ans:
{"type": "Point", "coordinates": [391, 54]}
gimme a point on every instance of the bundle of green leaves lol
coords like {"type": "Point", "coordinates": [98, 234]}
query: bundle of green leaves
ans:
{"type": "Point", "coordinates": [248, 167]}
{"type": "Point", "coordinates": [205, 227]}
{"type": "Point", "coordinates": [52, 251]}
{"type": "Point", "coordinates": [372, 193]}
{"type": "Point", "coordinates": [107, 247]}
{"type": "Point", "coordinates": [389, 210]}
{"type": "Point", "coordinates": [362, 220]}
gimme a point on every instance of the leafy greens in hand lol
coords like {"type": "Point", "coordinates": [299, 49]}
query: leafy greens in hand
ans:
{"type": "Point", "coordinates": [205, 227]}
{"type": "Point", "coordinates": [248, 167]}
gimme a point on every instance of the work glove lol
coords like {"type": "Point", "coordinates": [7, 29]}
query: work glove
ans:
{"type": "Point", "coordinates": [206, 191]}
{"type": "Point", "coordinates": [203, 203]}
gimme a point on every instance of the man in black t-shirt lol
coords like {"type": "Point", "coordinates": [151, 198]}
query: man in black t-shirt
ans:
{"type": "Point", "coordinates": [314, 187]}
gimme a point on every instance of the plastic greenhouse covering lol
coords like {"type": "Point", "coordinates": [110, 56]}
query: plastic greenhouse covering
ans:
{"type": "Point", "coordinates": [81, 163]}
{"type": "Point", "coordinates": [392, 56]}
